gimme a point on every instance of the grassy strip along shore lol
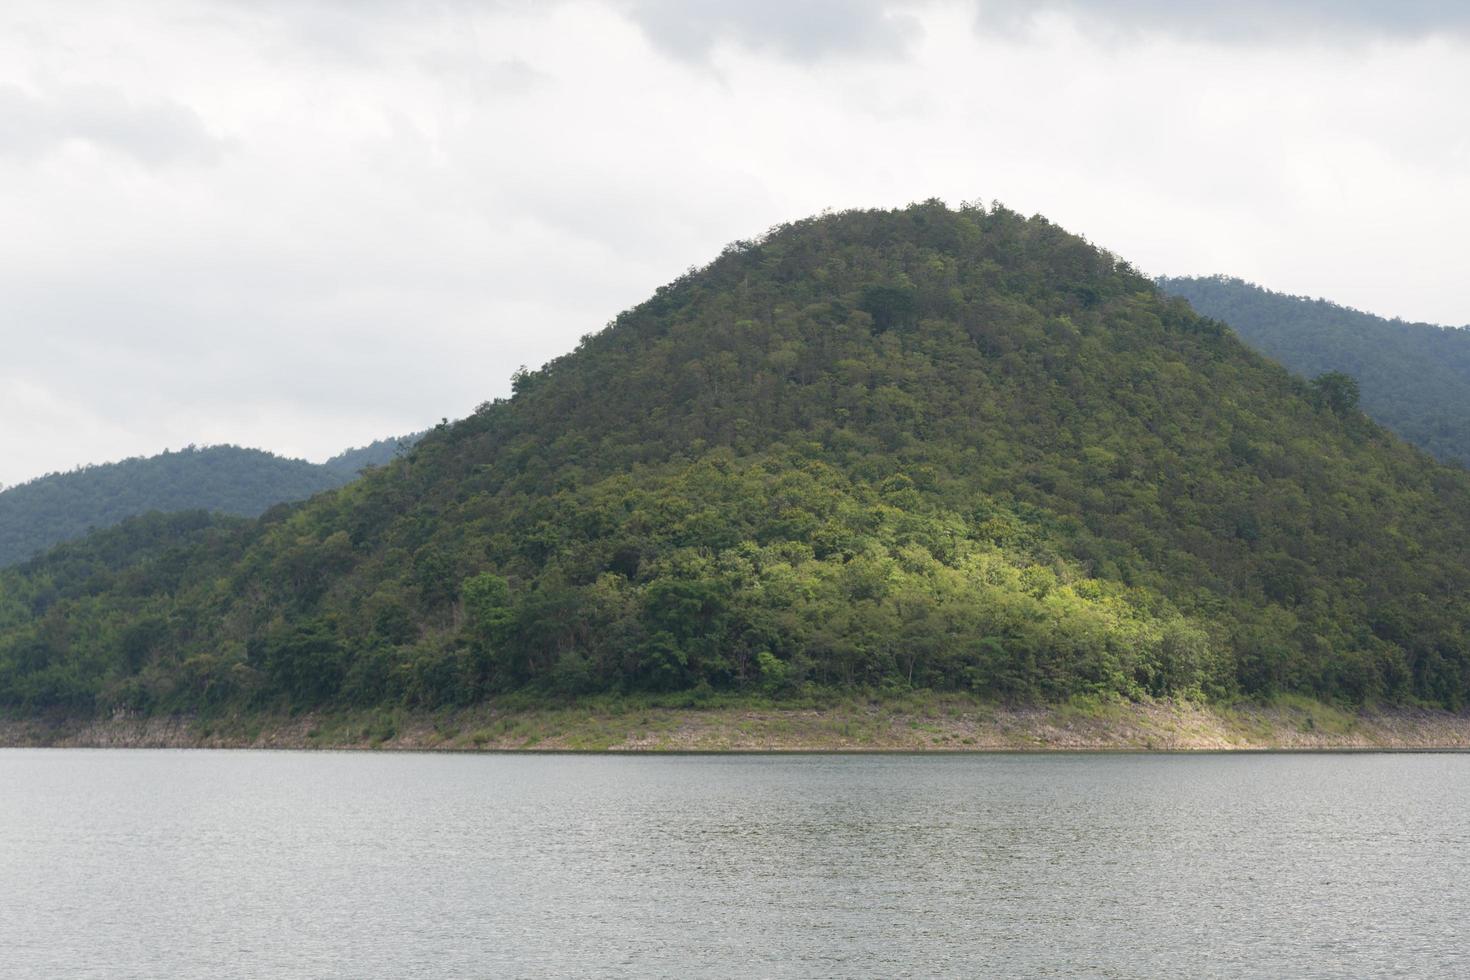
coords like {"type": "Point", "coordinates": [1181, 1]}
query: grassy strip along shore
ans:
{"type": "Point", "coordinates": [921, 722]}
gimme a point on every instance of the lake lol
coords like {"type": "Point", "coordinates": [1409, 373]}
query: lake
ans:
{"type": "Point", "coordinates": [119, 863]}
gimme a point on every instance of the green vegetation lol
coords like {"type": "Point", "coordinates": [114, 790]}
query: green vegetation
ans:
{"type": "Point", "coordinates": [822, 720]}
{"type": "Point", "coordinates": [224, 479]}
{"type": "Point", "coordinates": [1415, 377]}
{"type": "Point", "coordinates": [352, 462]}
{"type": "Point", "coordinates": [874, 451]}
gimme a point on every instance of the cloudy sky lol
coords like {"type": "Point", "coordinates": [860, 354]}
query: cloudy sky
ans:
{"type": "Point", "coordinates": [306, 224]}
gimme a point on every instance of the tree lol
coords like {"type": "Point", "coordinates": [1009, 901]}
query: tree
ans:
{"type": "Point", "coordinates": [305, 661]}
{"type": "Point", "coordinates": [889, 306]}
{"type": "Point", "coordinates": [1338, 391]}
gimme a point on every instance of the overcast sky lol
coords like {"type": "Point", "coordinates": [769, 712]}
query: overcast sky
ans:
{"type": "Point", "coordinates": [304, 225]}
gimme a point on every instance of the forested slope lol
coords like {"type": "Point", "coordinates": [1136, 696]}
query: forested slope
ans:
{"type": "Point", "coordinates": [351, 462]}
{"type": "Point", "coordinates": [927, 447]}
{"type": "Point", "coordinates": [225, 479]}
{"type": "Point", "coordinates": [1414, 377]}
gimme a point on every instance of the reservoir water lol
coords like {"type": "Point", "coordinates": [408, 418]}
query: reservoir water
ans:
{"type": "Point", "coordinates": [263, 864]}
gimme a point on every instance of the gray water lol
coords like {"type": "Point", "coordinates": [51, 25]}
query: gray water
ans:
{"type": "Point", "coordinates": [262, 864]}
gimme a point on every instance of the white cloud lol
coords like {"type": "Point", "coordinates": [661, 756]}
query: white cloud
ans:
{"type": "Point", "coordinates": [1242, 21]}
{"type": "Point", "coordinates": [807, 31]}
{"type": "Point", "coordinates": [307, 225]}
{"type": "Point", "coordinates": [158, 133]}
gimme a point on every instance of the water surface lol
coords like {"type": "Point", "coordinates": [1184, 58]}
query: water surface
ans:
{"type": "Point", "coordinates": [251, 864]}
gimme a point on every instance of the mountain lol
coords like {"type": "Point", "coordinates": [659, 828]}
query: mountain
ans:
{"type": "Point", "coordinates": [957, 449]}
{"type": "Point", "coordinates": [352, 462]}
{"type": "Point", "coordinates": [36, 515]}
{"type": "Point", "coordinates": [1414, 377]}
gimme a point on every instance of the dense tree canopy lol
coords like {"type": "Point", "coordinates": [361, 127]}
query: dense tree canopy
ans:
{"type": "Point", "coordinates": [351, 462]}
{"type": "Point", "coordinates": [1415, 377]}
{"type": "Point", "coordinates": [928, 447]}
{"type": "Point", "coordinates": [224, 479]}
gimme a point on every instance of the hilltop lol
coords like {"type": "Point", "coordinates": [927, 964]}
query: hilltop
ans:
{"type": "Point", "coordinates": [1414, 377]}
{"type": "Point", "coordinates": [876, 450]}
{"type": "Point", "coordinates": [48, 510]}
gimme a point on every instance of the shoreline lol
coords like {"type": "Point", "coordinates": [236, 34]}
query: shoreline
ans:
{"type": "Point", "coordinates": [925, 723]}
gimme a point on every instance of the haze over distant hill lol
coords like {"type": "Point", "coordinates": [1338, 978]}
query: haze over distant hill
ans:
{"type": "Point", "coordinates": [221, 479]}
{"type": "Point", "coordinates": [955, 449]}
{"type": "Point", "coordinates": [1414, 377]}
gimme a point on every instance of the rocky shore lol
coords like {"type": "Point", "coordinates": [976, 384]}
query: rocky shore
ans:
{"type": "Point", "coordinates": [932, 723]}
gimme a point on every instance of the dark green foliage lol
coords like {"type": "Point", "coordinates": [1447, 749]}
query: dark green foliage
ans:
{"type": "Point", "coordinates": [889, 306]}
{"type": "Point", "coordinates": [304, 661]}
{"type": "Point", "coordinates": [1415, 377]}
{"type": "Point", "coordinates": [1338, 392]}
{"type": "Point", "coordinates": [1043, 479]}
{"type": "Point", "coordinates": [223, 479]}
{"type": "Point", "coordinates": [353, 461]}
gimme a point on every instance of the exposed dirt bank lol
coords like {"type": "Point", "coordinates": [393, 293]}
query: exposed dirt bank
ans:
{"type": "Point", "coordinates": [930, 723]}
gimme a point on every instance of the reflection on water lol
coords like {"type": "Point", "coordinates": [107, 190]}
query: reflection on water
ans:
{"type": "Point", "coordinates": [168, 863]}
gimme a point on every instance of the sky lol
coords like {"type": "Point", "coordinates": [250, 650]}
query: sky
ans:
{"type": "Point", "coordinates": [308, 224]}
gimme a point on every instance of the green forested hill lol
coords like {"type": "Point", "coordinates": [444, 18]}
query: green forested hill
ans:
{"type": "Point", "coordinates": [1415, 377]}
{"type": "Point", "coordinates": [927, 447]}
{"type": "Point", "coordinates": [352, 462]}
{"type": "Point", "coordinates": [224, 479]}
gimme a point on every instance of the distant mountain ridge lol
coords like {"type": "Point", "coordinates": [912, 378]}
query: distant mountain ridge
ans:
{"type": "Point", "coordinates": [354, 461]}
{"type": "Point", "coordinates": [1414, 377]}
{"type": "Point", "coordinates": [230, 480]}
